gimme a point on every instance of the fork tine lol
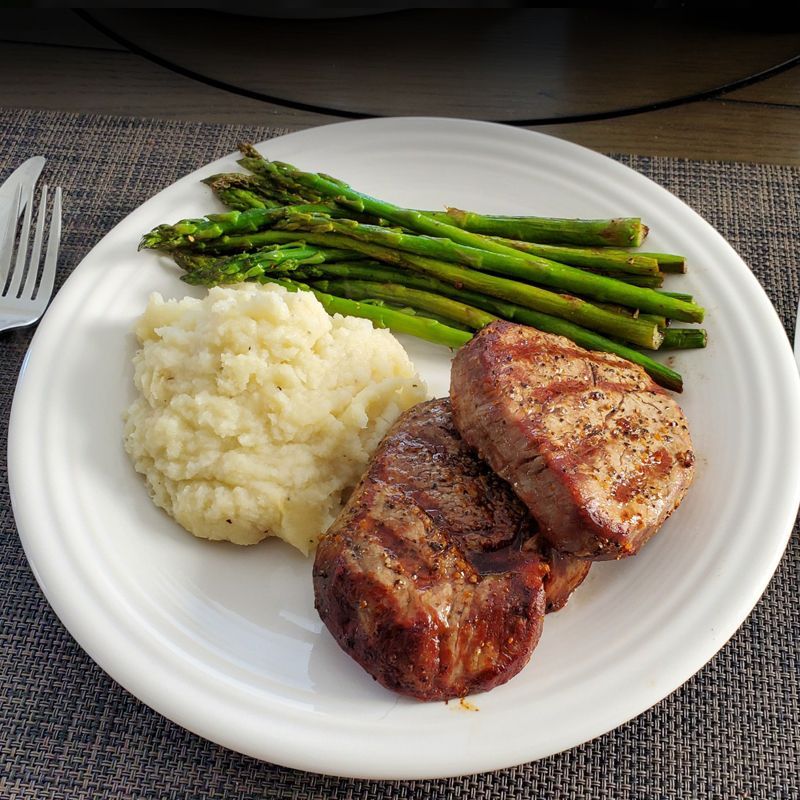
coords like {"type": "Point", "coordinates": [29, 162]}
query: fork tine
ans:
{"type": "Point", "coordinates": [51, 256]}
{"type": "Point", "coordinates": [8, 244]}
{"type": "Point", "coordinates": [36, 250]}
{"type": "Point", "coordinates": [22, 248]}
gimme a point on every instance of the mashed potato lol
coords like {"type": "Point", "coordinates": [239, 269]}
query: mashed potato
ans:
{"type": "Point", "coordinates": [257, 412]}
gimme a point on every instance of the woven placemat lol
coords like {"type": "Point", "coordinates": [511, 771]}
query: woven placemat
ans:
{"type": "Point", "coordinates": [68, 731]}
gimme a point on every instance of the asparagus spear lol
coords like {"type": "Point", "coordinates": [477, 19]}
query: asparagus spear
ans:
{"type": "Point", "coordinates": [213, 226]}
{"type": "Point", "coordinates": [242, 228]}
{"type": "Point", "coordinates": [406, 309]}
{"type": "Point", "coordinates": [677, 295]}
{"type": "Point", "coordinates": [655, 319]}
{"type": "Point", "coordinates": [377, 272]}
{"type": "Point", "coordinates": [684, 338]}
{"type": "Point", "coordinates": [496, 256]}
{"type": "Point", "coordinates": [472, 317]}
{"type": "Point", "coordinates": [241, 242]}
{"type": "Point", "coordinates": [422, 327]}
{"type": "Point", "coordinates": [621, 232]}
{"type": "Point", "coordinates": [662, 322]}
{"type": "Point", "coordinates": [263, 189]}
{"type": "Point", "coordinates": [241, 192]}
{"type": "Point", "coordinates": [469, 302]}
{"type": "Point", "coordinates": [245, 241]}
{"type": "Point", "coordinates": [628, 232]}
{"type": "Point", "coordinates": [604, 259]}
{"type": "Point", "coordinates": [240, 199]}
{"type": "Point", "coordinates": [642, 262]}
{"type": "Point", "coordinates": [189, 232]}
{"type": "Point", "coordinates": [667, 262]}
{"type": "Point", "coordinates": [368, 270]}
{"type": "Point", "coordinates": [646, 281]}
{"type": "Point", "coordinates": [644, 334]}
{"type": "Point", "coordinates": [615, 309]}
{"type": "Point", "coordinates": [423, 222]}
{"type": "Point", "coordinates": [208, 271]}
{"type": "Point", "coordinates": [526, 267]}
{"type": "Point", "coordinates": [599, 258]}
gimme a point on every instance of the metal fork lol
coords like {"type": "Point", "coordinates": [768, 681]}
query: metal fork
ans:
{"type": "Point", "coordinates": [21, 303]}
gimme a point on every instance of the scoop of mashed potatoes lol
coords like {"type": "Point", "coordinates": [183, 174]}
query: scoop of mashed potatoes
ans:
{"type": "Point", "coordinates": [258, 412]}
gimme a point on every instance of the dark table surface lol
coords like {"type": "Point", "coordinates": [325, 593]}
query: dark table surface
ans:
{"type": "Point", "coordinates": [53, 59]}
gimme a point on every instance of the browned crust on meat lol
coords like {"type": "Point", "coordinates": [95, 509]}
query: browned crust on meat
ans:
{"type": "Point", "coordinates": [432, 576]}
{"type": "Point", "coordinates": [565, 573]}
{"type": "Point", "coordinates": [598, 452]}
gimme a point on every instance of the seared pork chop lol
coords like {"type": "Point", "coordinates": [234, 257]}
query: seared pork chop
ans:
{"type": "Point", "coordinates": [598, 452]}
{"type": "Point", "coordinates": [432, 576]}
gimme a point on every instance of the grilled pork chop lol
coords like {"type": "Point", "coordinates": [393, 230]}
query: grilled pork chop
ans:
{"type": "Point", "coordinates": [599, 453]}
{"type": "Point", "coordinates": [432, 576]}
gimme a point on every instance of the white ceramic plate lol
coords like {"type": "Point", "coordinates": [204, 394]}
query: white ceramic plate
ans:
{"type": "Point", "coordinates": [226, 642]}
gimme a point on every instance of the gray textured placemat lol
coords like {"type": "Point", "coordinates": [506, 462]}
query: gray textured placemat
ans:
{"type": "Point", "coordinates": [68, 731]}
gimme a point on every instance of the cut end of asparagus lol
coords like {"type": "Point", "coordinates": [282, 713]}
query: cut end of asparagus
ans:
{"type": "Point", "coordinates": [667, 262]}
{"type": "Point", "coordinates": [624, 232]}
{"type": "Point", "coordinates": [684, 339]}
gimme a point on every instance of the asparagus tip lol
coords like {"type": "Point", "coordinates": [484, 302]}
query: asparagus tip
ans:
{"type": "Point", "coordinates": [248, 150]}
